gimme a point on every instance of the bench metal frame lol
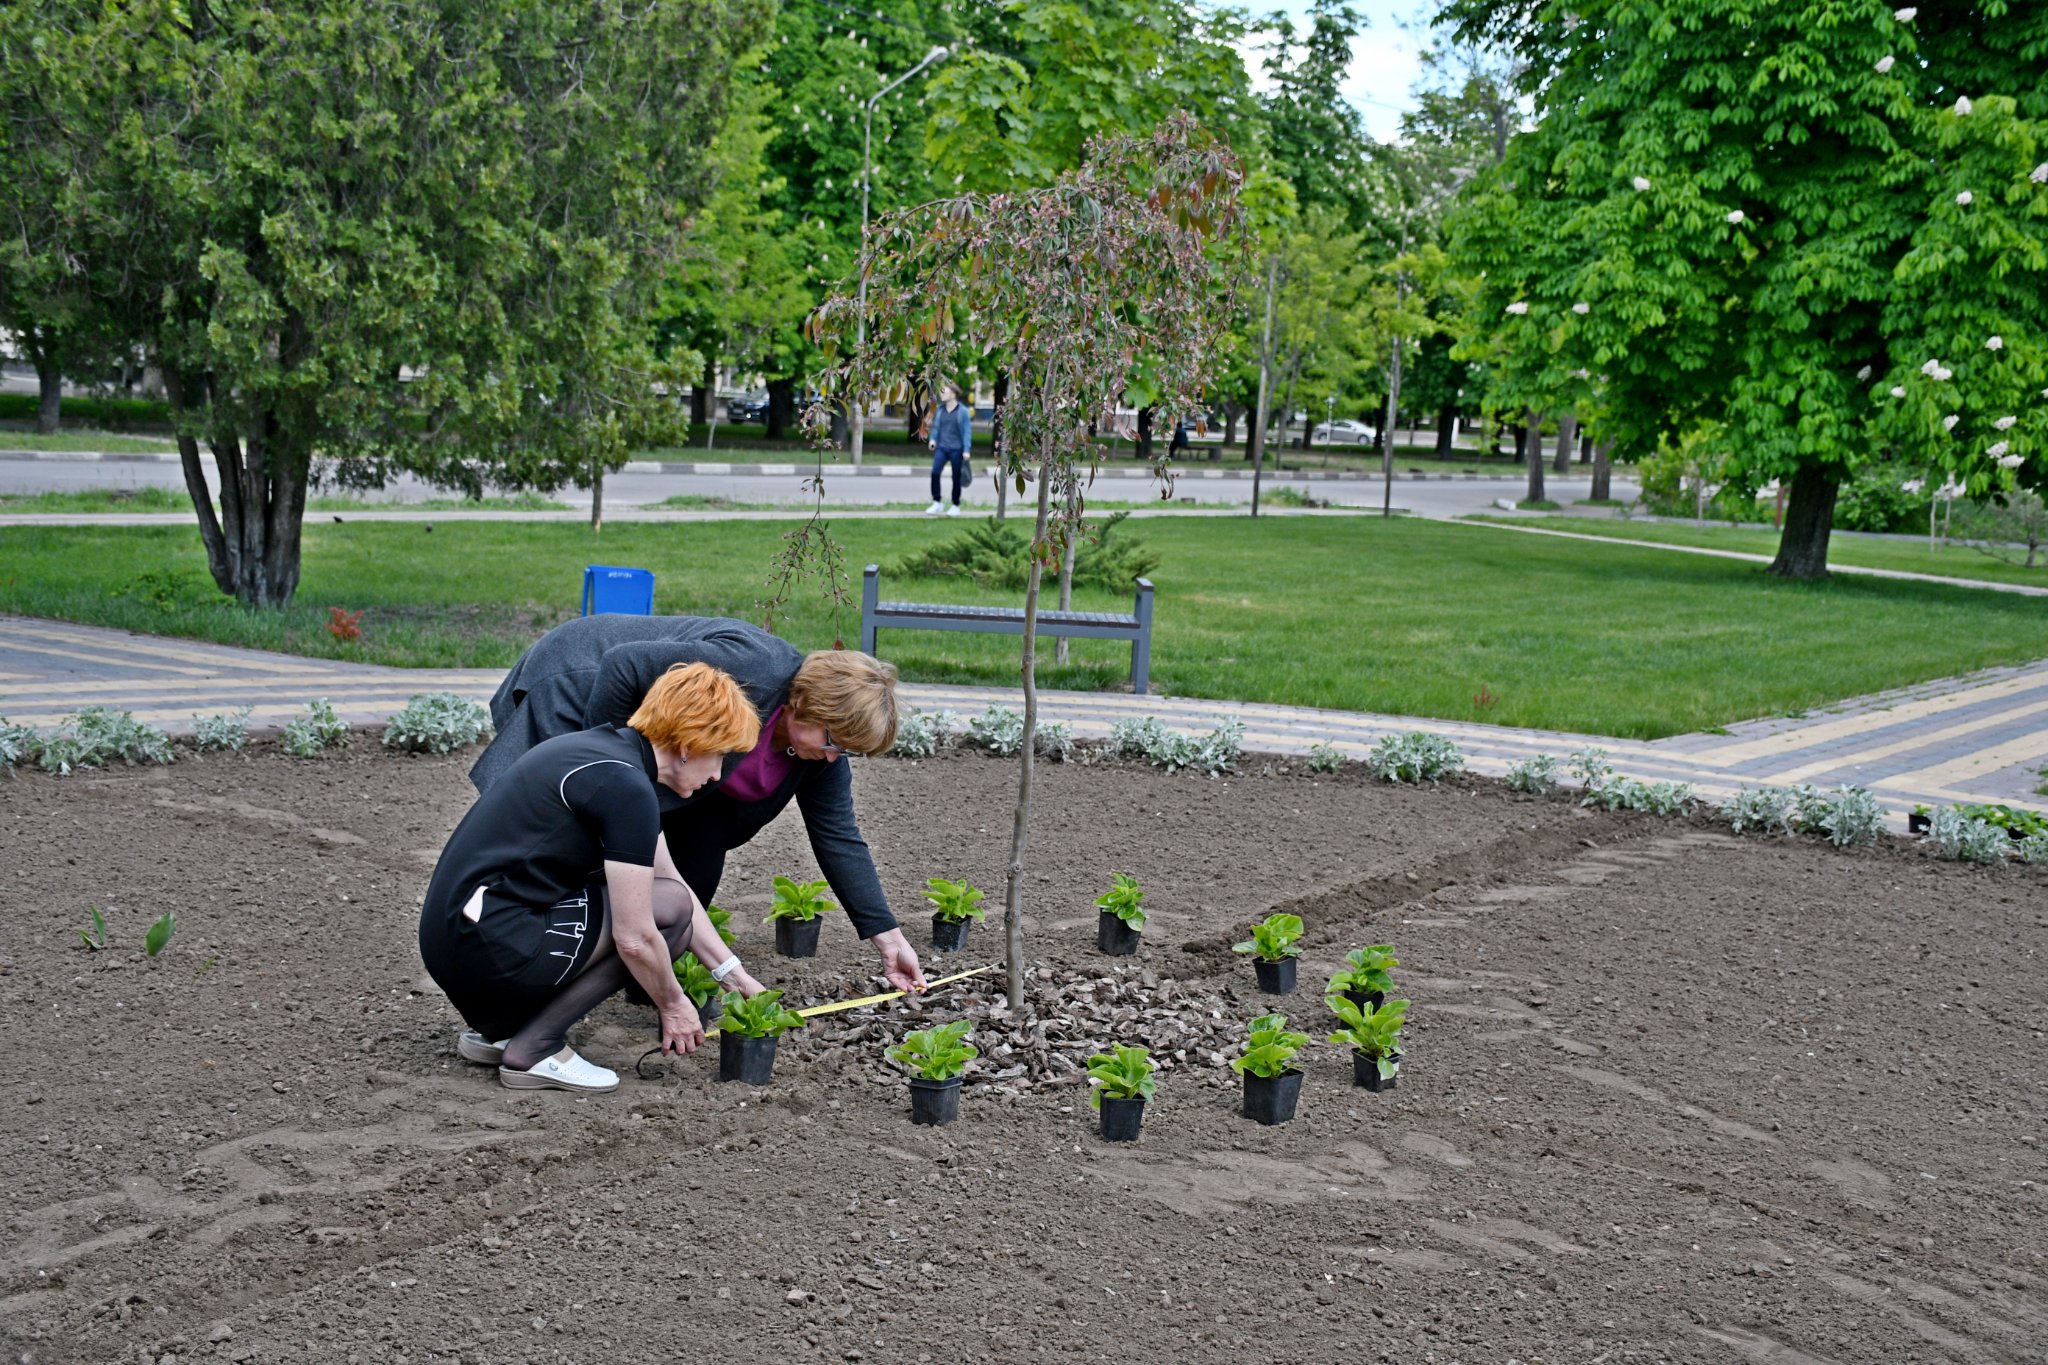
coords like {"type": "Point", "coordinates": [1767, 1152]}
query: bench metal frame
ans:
{"type": "Point", "coordinates": [1085, 625]}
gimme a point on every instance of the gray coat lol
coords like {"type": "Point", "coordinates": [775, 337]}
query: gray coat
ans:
{"type": "Point", "coordinates": [594, 670]}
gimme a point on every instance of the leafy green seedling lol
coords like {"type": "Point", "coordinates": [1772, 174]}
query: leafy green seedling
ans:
{"type": "Point", "coordinates": [695, 979]}
{"type": "Point", "coordinates": [160, 933]}
{"type": "Point", "coordinates": [719, 919]}
{"type": "Point", "coordinates": [1122, 1073]}
{"type": "Point", "coordinates": [95, 938]}
{"type": "Point", "coordinates": [1376, 1033]}
{"type": "Point", "coordinates": [1270, 1049]}
{"type": "Point", "coordinates": [761, 1017]}
{"type": "Point", "coordinates": [1122, 900]}
{"type": "Point", "coordinates": [954, 901]}
{"type": "Point", "coordinates": [800, 901]}
{"type": "Point", "coordinates": [1272, 939]}
{"type": "Point", "coordinates": [1366, 971]}
{"type": "Point", "coordinates": [939, 1053]}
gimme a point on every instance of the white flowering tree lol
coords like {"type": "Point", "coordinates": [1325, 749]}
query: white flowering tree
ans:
{"type": "Point", "coordinates": [1822, 223]}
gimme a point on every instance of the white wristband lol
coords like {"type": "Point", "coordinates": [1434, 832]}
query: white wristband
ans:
{"type": "Point", "coordinates": [726, 968]}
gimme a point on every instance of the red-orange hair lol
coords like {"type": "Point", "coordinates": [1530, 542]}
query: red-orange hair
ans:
{"type": "Point", "coordinates": [697, 709]}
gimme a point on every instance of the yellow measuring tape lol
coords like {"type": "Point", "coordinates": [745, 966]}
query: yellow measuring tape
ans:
{"type": "Point", "coordinates": [838, 1005]}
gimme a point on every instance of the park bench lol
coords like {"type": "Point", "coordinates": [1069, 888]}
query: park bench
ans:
{"type": "Point", "coordinates": [1084, 625]}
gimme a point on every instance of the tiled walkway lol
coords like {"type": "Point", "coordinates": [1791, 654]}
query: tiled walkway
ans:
{"type": "Point", "coordinates": [1981, 738]}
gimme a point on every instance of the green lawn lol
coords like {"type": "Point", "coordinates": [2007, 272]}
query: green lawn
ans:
{"type": "Point", "coordinates": [1353, 613]}
{"type": "Point", "coordinates": [145, 499]}
{"type": "Point", "coordinates": [12, 439]}
{"type": "Point", "coordinates": [1870, 552]}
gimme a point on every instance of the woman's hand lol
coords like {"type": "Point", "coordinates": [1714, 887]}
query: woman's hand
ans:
{"type": "Point", "coordinates": [899, 960]}
{"type": "Point", "coordinates": [681, 1029]}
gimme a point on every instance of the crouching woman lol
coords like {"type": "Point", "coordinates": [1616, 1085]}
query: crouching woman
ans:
{"type": "Point", "coordinates": [557, 888]}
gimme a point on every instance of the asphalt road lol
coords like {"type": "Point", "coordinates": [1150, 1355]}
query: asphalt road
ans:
{"type": "Point", "coordinates": [903, 487]}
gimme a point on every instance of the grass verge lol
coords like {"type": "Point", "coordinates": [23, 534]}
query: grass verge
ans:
{"type": "Point", "coordinates": [1868, 552]}
{"type": "Point", "coordinates": [11, 439]}
{"type": "Point", "coordinates": [1408, 617]}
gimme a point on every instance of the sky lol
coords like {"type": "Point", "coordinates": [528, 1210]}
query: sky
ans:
{"type": "Point", "coordinates": [1385, 58]}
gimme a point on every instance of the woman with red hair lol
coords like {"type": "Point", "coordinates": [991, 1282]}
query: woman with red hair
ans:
{"type": "Point", "coordinates": [557, 888]}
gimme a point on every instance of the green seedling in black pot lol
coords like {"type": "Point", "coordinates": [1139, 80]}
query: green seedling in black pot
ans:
{"type": "Point", "coordinates": [1274, 952]}
{"type": "Point", "coordinates": [701, 986]}
{"type": "Point", "coordinates": [1364, 979]}
{"type": "Point", "coordinates": [1272, 1085]}
{"type": "Point", "coordinates": [935, 1058]}
{"type": "Point", "coordinates": [748, 1033]}
{"type": "Point", "coordinates": [955, 908]}
{"type": "Point", "coordinates": [1122, 1082]}
{"type": "Point", "coordinates": [795, 916]}
{"type": "Point", "coordinates": [1118, 927]}
{"type": "Point", "coordinates": [1374, 1037]}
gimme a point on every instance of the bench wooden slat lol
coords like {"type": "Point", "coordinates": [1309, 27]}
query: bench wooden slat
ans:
{"type": "Point", "coordinates": [1087, 625]}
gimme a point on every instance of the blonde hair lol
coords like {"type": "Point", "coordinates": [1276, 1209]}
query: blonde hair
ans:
{"type": "Point", "coordinates": [696, 709]}
{"type": "Point", "coordinates": [851, 694]}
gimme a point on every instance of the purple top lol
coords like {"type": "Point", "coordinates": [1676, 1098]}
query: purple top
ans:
{"type": "Point", "coordinates": [761, 773]}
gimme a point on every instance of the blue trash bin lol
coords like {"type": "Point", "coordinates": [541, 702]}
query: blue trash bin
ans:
{"type": "Point", "coordinates": [627, 592]}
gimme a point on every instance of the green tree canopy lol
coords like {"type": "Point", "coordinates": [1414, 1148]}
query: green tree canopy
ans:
{"type": "Point", "coordinates": [1822, 223]}
{"type": "Point", "coordinates": [418, 236]}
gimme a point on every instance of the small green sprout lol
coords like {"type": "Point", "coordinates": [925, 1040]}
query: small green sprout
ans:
{"type": "Point", "coordinates": [95, 938]}
{"type": "Point", "coordinates": [799, 901]}
{"type": "Point", "coordinates": [1270, 1048]}
{"type": "Point", "coordinates": [954, 901]}
{"type": "Point", "coordinates": [160, 933]}
{"type": "Point", "coordinates": [939, 1053]}
{"type": "Point", "coordinates": [1122, 900]}
{"type": "Point", "coordinates": [763, 1016]}
{"type": "Point", "coordinates": [1273, 939]}
{"type": "Point", "coordinates": [1122, 1073]}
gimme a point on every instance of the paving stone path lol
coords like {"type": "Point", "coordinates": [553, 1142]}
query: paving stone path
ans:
{"type": "Point", "coordinates": [1980, 738]}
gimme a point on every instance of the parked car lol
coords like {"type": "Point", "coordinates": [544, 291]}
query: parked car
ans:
{"type": "Point", "coordinates": [747, 409]}
{"type": "Point", "coordinates": [1343, 432]}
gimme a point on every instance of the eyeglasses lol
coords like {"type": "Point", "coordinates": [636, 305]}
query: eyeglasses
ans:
{"type": "Point", "coordinates": [832, 746]}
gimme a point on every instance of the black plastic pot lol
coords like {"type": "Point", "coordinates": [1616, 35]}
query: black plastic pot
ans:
{"type": "Point", "coordinates": [746, 1059]}
{"type": "Point", "coordinates": [797, 937]}
{"type": "Point", "coordinates": [1365, 1071]}
{"type": "Point", "coordinates": [1366, 999]}
{"type": "Point", "coordinates": [934, 1102]}
{"type": "Point", "coordinates": [1115, 937]}
{"type": "Point", "coordinates": [949, 935]}
{"type": "Point", "coordinates": [1918, 823]}
{"type": "Point", "coordinates": [1121, 1119]}
{"type": "Point", "coordinates": [1271, 1099]}
{"type": "Point", "coordinates": [1276, 978]}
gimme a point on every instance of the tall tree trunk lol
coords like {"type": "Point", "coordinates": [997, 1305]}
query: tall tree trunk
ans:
{"type": "Point", "coordinates": [1231, 413]}
{"type": "Point", "coordinates": [705, 392]}
{"type": "Point", "coordinates": [1013, 886]}
{"type": "Point", "coordinates": [1532, 455]}
{"type": "Point", "coordinates": [252, 545]}
{"type": "Point", "coordinates": [1446, 431]}
{"type": "Point", "coordinates": [1567, 441]}
{"type": "Point", "coordinates": [781, 406]}
{"type": "Point", "coordinates": [49, 396]}
{"type": "Point", "coordinates": [1386, 441]}
{"type": "Point", "coordinates": [1067, 567]}
{"type": "Point", "coordinates": [596, 496]}
{"type": "Point", "coordinates": [998, 449]}
{"type": "Point", "coordinates": [1809, 517]}
{"type": "Point", "coordinates": [1519, 434]}
{"type": "Point", "coordinates": [1603, 467]}
{"type": "Point", "coordinates": [1585, 446]}
{"type": "Point", "coordinates": [1255, 444]}
{"type": "Point", "coordinates": [1143, 446]}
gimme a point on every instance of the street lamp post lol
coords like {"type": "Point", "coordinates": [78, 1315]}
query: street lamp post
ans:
{"type": "Point", "coordinates": [867, 144]}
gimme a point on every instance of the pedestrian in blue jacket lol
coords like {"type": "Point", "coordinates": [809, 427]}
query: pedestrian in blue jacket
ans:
{"type": "Point", "coordinates": [952, 440]}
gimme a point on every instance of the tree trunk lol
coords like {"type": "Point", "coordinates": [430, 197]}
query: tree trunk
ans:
{"type": "Point", "coordinates": [704, 393]}
{"type": "Point", "coordinates": [1809, 517]}
{"type": "Point", "coordinates": [1231, 412]}
{"type": "Point", "coordinates": [1143, 446]}
{"type": "Point", "coordinates": [998, 454]}
{"type": "Point", "coordinates": [1532, 455]}
{"type": "Point", "coordinates": [1519, 434]}
{"type": "Point", "coordinates": [49, 396]}
{"type": "Point", "coordinates": [1446, 432]}
{"type": "Point", "coordinates": [1567, 441]}
{"type": "Point", "coordinates": [1013, 888]}
{"type": "Point", "coordinates": [781, 406]}
{"type": "Point", "coordinates": [252, 545]}
{"type": "Point", "coordinates": [1067, 567]}
{"type": "Point", "coordinates": [596, 496]}
{"type": "Point", "coordinates": [1386, 441]}
{"type": "Point", "coordinates": [1255, 443]}
{"type": "Point", "coordinates": [1585, 447]}
{"type": "Point", "coordinates": [1603, 467]}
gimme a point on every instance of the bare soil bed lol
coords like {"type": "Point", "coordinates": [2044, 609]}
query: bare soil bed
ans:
{"type": "Point", "coordinates": [1670, 1095]}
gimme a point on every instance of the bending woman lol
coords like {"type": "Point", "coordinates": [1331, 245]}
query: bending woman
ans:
{"type": "Point", "coordinates": [557, 887]}
{"type": "Point", "coordinates": [818, 707]}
